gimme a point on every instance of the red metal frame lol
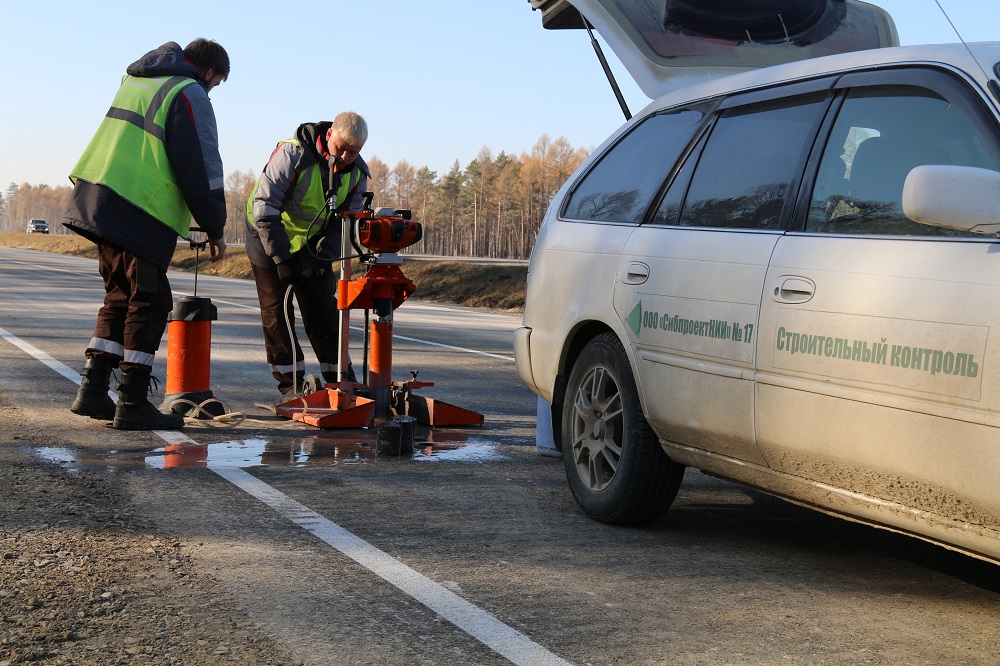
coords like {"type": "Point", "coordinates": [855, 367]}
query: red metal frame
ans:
{"type": "Point", "coordinates": [337, 406]}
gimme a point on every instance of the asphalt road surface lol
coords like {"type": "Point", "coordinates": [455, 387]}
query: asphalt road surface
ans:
{"type": "Point", "coordinates": [471, 550]}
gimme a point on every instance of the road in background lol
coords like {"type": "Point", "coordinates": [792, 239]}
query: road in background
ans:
{"type": "Point", "coordinates": [56, 297]}
{"type": "Point", "coordinates": [727, 576]}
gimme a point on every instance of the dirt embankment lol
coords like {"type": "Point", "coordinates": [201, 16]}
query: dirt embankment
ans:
{"type": "Point", "coordinates": [475, 285]}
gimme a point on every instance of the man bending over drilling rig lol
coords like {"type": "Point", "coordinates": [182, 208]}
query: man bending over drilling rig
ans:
{"type": "Point", "coordinates": [294, 236]}
{"type": "Point", "coordinates": [152, 165]}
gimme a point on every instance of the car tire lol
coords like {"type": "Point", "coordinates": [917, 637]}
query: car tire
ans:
{"type": "Point", "coordinates": [616, 468]}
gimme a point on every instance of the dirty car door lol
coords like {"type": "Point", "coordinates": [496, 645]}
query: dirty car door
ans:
{"type": "Point", "coordinates": [878, 359]}
{"type": "Point", "coordinates": [690, 280]}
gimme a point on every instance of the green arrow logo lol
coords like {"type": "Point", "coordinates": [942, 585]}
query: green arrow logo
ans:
{"type": "Point", "coordinates": [634, 319]}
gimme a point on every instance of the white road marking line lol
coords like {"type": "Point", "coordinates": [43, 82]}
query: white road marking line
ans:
{"type": "Point", "coordinates": [461, 349]}
{"type": "Point", "coordinates": [491, 632]}
{"type": "Point", "coordinates": [50, 268]}
{"type": "Point", "coordinates": [39, 355]}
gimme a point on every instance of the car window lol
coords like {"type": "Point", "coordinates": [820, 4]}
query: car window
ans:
{"type": "Point", "coordinates": [879, 135]}
{"type": "Point", "coordinates": [743, 175]}
{"type": "Point", "coordinates": [670, 207]}
{"type": "Point", "coordinates": [621, 186]}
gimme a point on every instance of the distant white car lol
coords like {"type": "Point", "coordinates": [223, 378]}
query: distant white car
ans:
{"type": "Point", "coordinates": [788, 277]}
{"type": "Point", "coordinates": [36, 226]}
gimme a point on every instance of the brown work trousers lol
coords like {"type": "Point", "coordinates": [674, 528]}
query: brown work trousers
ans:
{"type": "Point", "coordinates": [317, 299]}
{"type": "Point", "coordinates": [137, 303]}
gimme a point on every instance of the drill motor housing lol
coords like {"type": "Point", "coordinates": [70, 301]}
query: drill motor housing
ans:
{"type": "Point", "coordinates": [382, 232]}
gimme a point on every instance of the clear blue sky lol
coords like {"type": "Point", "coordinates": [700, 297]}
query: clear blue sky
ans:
{"type": "Point", "coordinates": [437, 80]}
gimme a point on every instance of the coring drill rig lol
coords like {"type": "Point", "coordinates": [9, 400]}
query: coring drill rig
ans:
{"type": "Point", "coordinates": [376, 237]}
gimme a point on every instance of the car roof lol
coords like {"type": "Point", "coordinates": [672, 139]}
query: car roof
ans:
{"type": "Point", "coordinates": [969, 59]}
{"type": "Point", "coordinates": [973, 60]}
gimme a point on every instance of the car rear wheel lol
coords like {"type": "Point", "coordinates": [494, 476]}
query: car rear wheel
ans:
{"type": "Point", "coordinates": [616, 468]}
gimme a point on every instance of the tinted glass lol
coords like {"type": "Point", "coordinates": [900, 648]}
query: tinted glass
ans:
{"type": "Point", "coordinates": [670, 207]}
{"type": "Point", "coordinates": [621, 186]}
{"type": "Point", "coordinates": [743, 175]}
{"type": "Point", "coordinates": [880, 134]}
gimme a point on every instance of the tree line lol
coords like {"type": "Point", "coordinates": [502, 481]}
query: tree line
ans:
{"type": "Point", "coordinates": [491, 208]}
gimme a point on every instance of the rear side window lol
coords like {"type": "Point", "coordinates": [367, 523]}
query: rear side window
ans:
{"type": "Point", "coordinates": [745, 171]}
{"type": "Point", "coordinates": [880, 134]}
{"type": "Point", "coordinates": [622, 184]}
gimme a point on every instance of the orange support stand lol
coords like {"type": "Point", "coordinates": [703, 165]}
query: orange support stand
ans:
{"type": "Point", "coordinates": [383, 288]}
{"type": "Point", "coordinates": [428, 410]}
{"type": "Point", "coordinates": [381, 281]}
{"type": "Point", "coordinates": [439, 413]}
{"type": "Point", "coordinates": [329, 408]}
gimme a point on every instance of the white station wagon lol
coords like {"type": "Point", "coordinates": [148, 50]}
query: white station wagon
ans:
{"type": "Point", "coordinates": [788, 277]}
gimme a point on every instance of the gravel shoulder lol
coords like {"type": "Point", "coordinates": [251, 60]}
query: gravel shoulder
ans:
{"type": "Point", "coordinates": [85, 580]}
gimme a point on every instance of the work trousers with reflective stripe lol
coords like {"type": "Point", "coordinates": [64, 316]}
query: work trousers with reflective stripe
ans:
{"type": "Point", "coordinates": [317, 299]}
{"type": "Point", "coordinates": [137, 303]}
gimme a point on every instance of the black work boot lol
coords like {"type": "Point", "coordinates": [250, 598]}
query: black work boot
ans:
{"type": "Point", "coordinates": [92, 399]}
{"type": "Point", "coordinates": [291, 394]}
{"type": "Point", "coordinates": [333, 377]}
{"type": "Point", "coordinates": [135, 411]}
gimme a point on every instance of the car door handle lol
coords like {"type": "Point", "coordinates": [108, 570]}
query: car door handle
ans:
{"type": "Point", "coordinates": [794, 290]}
{"type": "Point", "coordinates": [635, 273]}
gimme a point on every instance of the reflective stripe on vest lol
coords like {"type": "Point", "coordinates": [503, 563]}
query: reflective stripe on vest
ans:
{"type": "Point", "coordinates": [307, 201]}
{"type": "Point", "coordinates": [128, 154]}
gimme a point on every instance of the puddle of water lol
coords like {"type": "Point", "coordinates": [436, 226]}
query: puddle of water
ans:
{"type": "Point", "coordinates": [471, 451]}
{"type": "Point", "coordinates": [56, 454]}
{"type": "Point", "coordinates": [74, 460]}
{"type": "Point", "coordinates": [352, 447]}
{"type": "Point", "coordinates": [256, 452]}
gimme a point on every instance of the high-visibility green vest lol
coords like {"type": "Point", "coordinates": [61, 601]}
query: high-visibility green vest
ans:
{"type": "Point", "coordinates": [128, 154]}
{"type": "Point", "coordinates": [308, 200]}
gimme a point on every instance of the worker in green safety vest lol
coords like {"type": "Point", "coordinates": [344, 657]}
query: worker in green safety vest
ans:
{"type": "Point", "coordinates": [152, 165]}
{"type": "Point", "coordinates": [293, 237]}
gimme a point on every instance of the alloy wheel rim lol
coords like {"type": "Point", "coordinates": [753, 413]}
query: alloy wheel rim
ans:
{"type": "Point", "coordinates": [598, 427]}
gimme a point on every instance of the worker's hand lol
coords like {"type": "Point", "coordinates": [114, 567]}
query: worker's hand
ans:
{"type": "Point", "coordinates": [217, 247]}
{"type": "Point", "coordinates": [290, 271]}
{"type": "Point", "coordinates": [328, 246]}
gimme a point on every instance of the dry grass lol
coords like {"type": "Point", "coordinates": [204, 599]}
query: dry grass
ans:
{"type": "Point", "coordinates": [48, 243]}
{"type": "Point", "coordinates": [474, 285]}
